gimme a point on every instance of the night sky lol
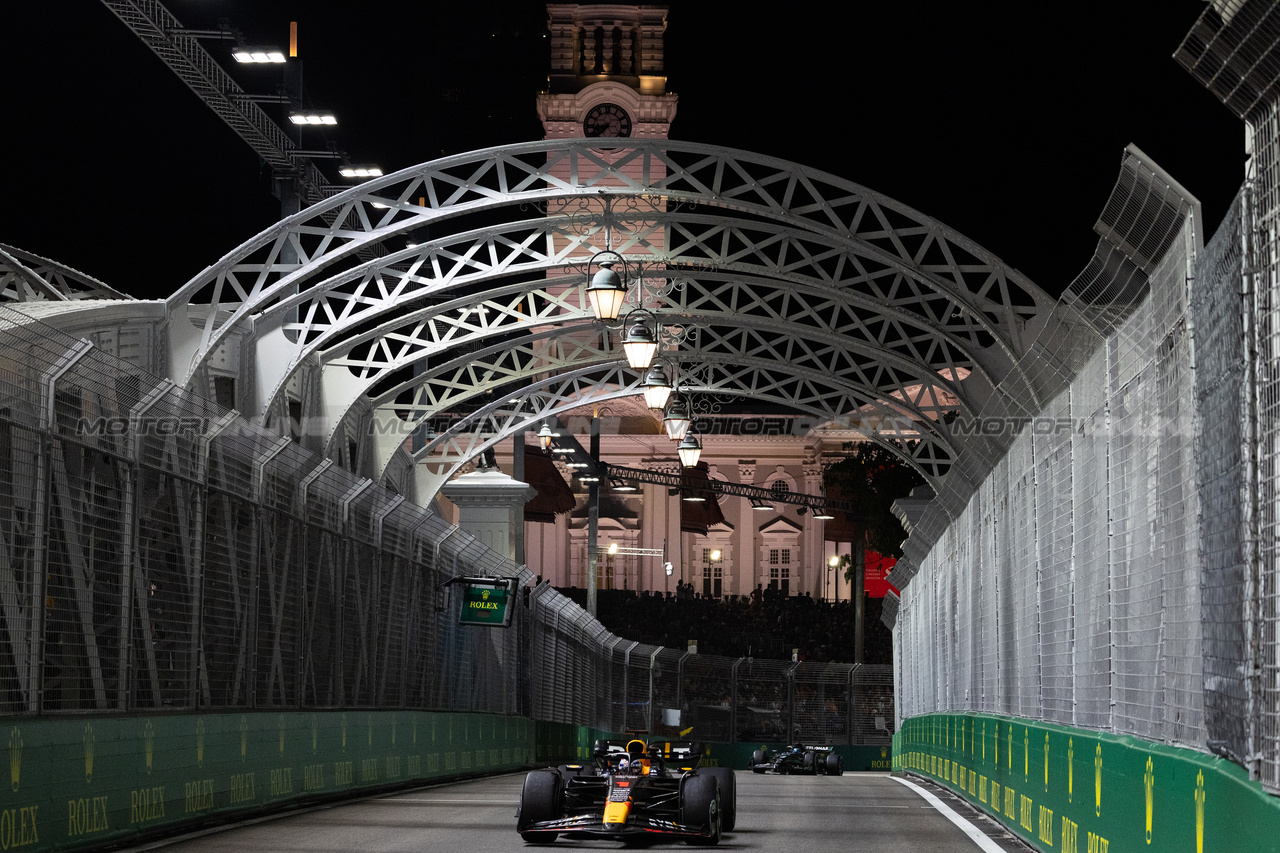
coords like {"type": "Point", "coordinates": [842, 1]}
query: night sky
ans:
{"type": "Point", "coordinates": [1007, 127]}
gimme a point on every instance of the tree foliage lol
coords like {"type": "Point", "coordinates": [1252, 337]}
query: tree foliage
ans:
{"type": "Point", "coordinates": [872, 478]}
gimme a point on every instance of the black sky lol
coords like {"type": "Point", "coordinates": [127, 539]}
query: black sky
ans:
{"type": "Point", "coordinates": [1006, 124]}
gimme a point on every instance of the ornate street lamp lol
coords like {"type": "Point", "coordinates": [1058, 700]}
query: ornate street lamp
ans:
{"type": "Point", "coordinates": [689, 450]}
{"type": "Point", "coordinates": [607, 289]}
{"type": "Point", "coordinates": [546, 437]}
{"type": "Point", "coordinates": [676, 419]}
{"type": "Point", "coordinates": [640, 344]}
{"type": "Point", "coordinates": [657, 388]}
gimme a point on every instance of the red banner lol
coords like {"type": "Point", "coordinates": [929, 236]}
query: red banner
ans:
{"type": "Point", "coordinates": [878, 567]}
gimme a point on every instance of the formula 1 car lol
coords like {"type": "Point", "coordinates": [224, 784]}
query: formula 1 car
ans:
{"type": "Point", "coordinates": [630, 790]}
{"type": "Point", "coordinates": [798, 759]}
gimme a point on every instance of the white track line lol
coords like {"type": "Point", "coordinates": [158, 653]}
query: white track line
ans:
{"type": "Point", "coordinates": [979, 837]}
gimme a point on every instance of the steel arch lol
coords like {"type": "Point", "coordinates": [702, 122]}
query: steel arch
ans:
{"type": "Point", "coordinates": [921, 353]}
{"type": "Point", "coordinates": [453, 385]}
{"type": "Point", "coordinates": [25, 277]}
{"type": "Point", "coordinates": [783, 269]}
{"type": "Point", "coordinates": [822, 353]}
{"type": "Point", "coordinates": [743, 289]}
{"type": "Point", "coordinates": [259, 271]}
{"type": "Point", "coordinates": [446, 454]}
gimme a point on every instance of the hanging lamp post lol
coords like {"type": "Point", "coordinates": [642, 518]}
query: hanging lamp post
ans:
{"type": "Point", "coordinates": [607, 289]}
{"type": "Point", "coordinates": [640, 344]}
{"type": "Point", "coordinates": [676, 419]}
{"type": "Point", "coordinates": [657, 388]}
{"type": "Point", "coordinates": [689, 450]}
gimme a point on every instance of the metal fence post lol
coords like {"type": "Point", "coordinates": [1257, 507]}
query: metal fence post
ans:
{"type": "Point", "coordinates": [733, 700]}
{"type": "Point", "coordinates": [791, 702]}
{"type": "Point", "coordinates": [255, 582]}
{"type": "Point", "coordinates": [39, 583]}
{"type": "Point", "coordinates": [653, 659]}
{"type": "Point", "coordinates": [379, 558]}
{"type": "Point", "coordinates": [201, 488]}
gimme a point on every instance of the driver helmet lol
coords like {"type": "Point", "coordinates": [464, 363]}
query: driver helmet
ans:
{"type": "Point", "coordinates": [624, 764]}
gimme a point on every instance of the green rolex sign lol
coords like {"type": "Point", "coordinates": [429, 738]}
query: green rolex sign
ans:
{"type": "Point", "coordinates": [485, 604]}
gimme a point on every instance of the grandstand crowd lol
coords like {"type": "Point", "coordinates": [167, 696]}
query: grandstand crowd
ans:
{"type": "Point", "coordinates": [765, 624]}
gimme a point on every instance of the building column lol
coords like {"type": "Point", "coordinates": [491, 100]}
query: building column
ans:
{"type": "Point", "coordinates": [491, 507]}
{"type": "Point", "coordinates": [814, 557]}
{"type": "Point", "coordinates": [746, 552]}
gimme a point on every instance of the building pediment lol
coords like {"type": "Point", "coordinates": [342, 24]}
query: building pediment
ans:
{"type": "Point", "coordinates": [780, 525]}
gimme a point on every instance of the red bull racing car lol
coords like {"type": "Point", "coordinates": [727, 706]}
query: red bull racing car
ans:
{"type": "Point", "coordinates": [798, 759]}
{"type": "Point", "coordinates": [631, 790]}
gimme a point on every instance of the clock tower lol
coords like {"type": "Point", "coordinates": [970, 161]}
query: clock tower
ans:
{"type": "Point", "coordinates": [607, 77]}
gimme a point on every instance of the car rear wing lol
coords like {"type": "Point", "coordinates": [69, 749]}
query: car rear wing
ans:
{"type": "Point", "coordinates": [678, 750]}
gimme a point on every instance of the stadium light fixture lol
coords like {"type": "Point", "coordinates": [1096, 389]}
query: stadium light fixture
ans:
{"type": "Point", "coordinates": [258, 55]}
{"type": "Point", "coordinates": [360, 172]}
{"type": "Point", "coordinates": [313, 117]}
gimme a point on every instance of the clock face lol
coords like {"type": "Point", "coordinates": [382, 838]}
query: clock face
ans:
{"type": "Point", "coordinates": [607, 120]}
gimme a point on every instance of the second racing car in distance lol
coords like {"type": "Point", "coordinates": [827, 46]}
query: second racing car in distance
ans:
{"type": "Point", "coordinates": [798, 759]}
{"type": "Point", "coordinates": [631, 790]}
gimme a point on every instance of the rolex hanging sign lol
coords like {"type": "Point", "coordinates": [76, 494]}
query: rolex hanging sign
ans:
{"type": "Point", "coordinates": [485, 601]}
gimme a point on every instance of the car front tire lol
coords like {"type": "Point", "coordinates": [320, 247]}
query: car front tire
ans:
{"type": "Point", "coordinates": [700, 806]}
{"type": "Point", "coordinates": [539, 801]}
{"type": "Point", "coordinates": [728, 796]}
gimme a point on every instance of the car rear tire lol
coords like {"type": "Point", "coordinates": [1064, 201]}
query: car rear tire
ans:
{"type": "Point", "coordinates": [758, 757]}
{"type": "Point", "coordinates": [835, 764]}
{"type": "Point", "coordinates": [809, 763]}
{"type": "Point", "coordinates": [700, 806]}
{"type": "Point", "coordinates": [728, 795]}
{"type": "Point", "coordinates": [539, 800]}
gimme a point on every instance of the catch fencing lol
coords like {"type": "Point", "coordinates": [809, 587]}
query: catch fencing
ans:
{"type": "Point", "coordinates": [1066, 587]}
{"type": "Point", "coordinates": [1117, 568]}
{"type": "Point", "coordinates": [158, 552]}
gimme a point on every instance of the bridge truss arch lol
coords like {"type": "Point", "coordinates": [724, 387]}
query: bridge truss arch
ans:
{"type": "Point", "coordinates": [26, 277]}
{"type": "Point", "coordinates": [458, 285]}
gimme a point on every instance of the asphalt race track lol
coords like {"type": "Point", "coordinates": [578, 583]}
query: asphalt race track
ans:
{"type": "Point", "coordinates": [854, 812]}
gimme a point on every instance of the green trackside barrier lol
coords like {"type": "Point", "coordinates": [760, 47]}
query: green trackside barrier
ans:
{"type": "Point", "coordinates": [88, 782]}
{"type": "Point", "coordinates": [565, 743]}
{"type": "Point", "coordinates": [1077, 791]}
